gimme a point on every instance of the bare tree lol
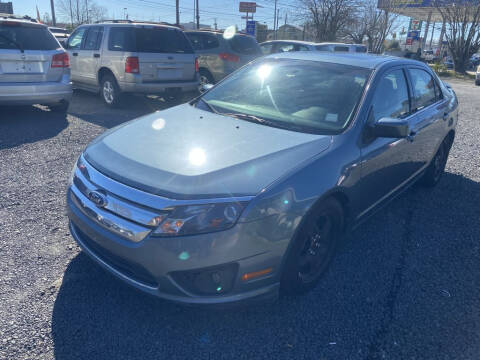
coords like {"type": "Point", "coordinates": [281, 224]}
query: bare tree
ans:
{"type": "Point", "coordinates": [379, 21]}
{"type": "Point", "coordinates": [462, 19]}
{"type": "Point", "coordinates": [79, 12]}
{"type": "Point", "coordinates": [328, 17]}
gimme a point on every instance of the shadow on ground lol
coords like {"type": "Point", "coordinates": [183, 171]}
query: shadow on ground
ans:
{"type": "Point", "coordinates": [384, 295]}
{"type": "Point", "coordinates": [28, 124]}
{"type": "Point", "coordinates": [90, 107]}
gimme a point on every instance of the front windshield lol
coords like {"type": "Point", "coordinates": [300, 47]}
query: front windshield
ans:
{"type": "Point", "coordinates": [308, 96]}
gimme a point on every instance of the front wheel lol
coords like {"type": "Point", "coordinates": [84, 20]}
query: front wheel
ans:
{"type": "Point", "coordinates": [313, 248]}
{"type": "Point", "coordinates": [110, 91]}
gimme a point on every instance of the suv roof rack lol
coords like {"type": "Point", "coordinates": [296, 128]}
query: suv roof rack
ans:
{"type": "Point", "coordinates": [128, 21]}
{"type": "Point", "coordinates": [17, 17]}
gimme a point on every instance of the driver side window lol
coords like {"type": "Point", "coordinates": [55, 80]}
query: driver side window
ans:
{"type": "Point", "coordinates": [75, 40]}
{"type": "Point", "coordinates": [391, 97]}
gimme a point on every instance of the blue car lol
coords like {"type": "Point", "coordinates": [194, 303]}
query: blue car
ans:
{"type": "Point", "coordinates": [244, 192]}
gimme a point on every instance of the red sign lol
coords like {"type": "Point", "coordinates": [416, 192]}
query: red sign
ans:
{"type": "Point", "coordinates": [409, 41]}
{"type": "Point", "coordinates": [248, 7]}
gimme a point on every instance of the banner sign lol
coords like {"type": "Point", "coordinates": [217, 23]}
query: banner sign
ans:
{"type": "Point", "coordinates": [248, 7]}
{"type": "Point", "coordinates": [415, 25]}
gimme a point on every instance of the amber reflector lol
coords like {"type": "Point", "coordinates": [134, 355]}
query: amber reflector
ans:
{"type": "Point", "coordinates": [253, 275]}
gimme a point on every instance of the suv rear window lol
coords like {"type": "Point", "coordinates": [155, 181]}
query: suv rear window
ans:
{"type": "Point", "coordinates": [27, 37]}
{"type": "Point", "coordinates": [243, 44]}
{"type": "Point", "coordinates": [151, 39]}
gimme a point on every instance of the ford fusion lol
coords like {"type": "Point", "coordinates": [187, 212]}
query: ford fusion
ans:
{"type": "Point", "coordinates": [244, 192]}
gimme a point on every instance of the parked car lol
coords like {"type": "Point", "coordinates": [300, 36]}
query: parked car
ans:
{"type": "Point", "coordinates": [246, 190]}
{"type": "Point", "coordinates": [220, 53]}
{"type": "Point", "coordinates": [61, 34]}
{"type": "Point", "coordinates": [449, 63]}
{"type": "Point", "coordinates": [477, 76]}
{"type": "Point", "coordinates": [34, 69]}
{"type": "Point", "coordinates": [119, 57]}
{"type": "Point", "coordinates": [279, 46]}
{"type": "Point", "coordinates": [340, 47]}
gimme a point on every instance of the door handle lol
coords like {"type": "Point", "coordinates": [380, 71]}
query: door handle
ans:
{"type": "Point", "coordinates": [411, 136]}
{"type": "Point", "coordinates": [96, 55]}
{"type": "Point", "coordinates": [75, 54]}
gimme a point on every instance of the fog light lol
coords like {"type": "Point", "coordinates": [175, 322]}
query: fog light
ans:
{"type": "Point", "coordinates": [210, 281]}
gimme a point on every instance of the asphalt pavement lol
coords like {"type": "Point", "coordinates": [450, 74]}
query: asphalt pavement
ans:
{"type": "Point", "coordinates": [405, 284]}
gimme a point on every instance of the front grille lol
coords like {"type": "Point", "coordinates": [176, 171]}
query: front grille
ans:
{"type": "Point", "coordinates": [126, 267]}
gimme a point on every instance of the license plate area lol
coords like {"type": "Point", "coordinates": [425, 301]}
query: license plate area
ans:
{"type": "Point", "coordinates": [169, 74]}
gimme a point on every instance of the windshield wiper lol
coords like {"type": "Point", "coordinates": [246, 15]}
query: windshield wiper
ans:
{"type": "Point", "coordinates": [210, 107]}
{"type": "Point", "coordinates": [13, 42]}
{"type": "Point", "coordinates": [248, 117]}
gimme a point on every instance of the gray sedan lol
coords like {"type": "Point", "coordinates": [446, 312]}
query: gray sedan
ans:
{"type": "Point", "coordinates": [245, 192]}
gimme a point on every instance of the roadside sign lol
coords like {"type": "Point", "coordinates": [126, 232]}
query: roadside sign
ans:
{"type": "Point", "coordinates": [415, 25]}
{"type": "Point", "coordinates": [251, 27]}
{"type": "Point", "coordinates": [248, 7]}
{"type": "Point", "coordinates": [409, 41]}
{"type": "Point", "coordinates": [415, 35]}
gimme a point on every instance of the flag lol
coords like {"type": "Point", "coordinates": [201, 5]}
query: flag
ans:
{"type": "Point", "coordinates": [38, 16]}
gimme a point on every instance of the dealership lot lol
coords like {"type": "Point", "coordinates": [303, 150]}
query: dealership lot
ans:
{"type": "Point", "coordinates": [404, 285]}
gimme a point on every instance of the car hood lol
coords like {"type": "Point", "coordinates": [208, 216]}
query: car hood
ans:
{"type": "Point", "coordinates": [187, 153]}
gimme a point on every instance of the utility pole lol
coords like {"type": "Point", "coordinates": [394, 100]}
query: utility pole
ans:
{"type": "Point", "coordinates": [52, 5]}
{"type": "Point", "coordinates": [177, 11]}
{"type": "Point", "coordinates": [276, 25]}
{"type": "Point", "coordinates": [198, 15]}
{"type": "Point", "coordinates": [275, 21]}
{"type": "Point", "coordinates": [86, 9]}
{"type": "Point", "coordinates": [215, 23]}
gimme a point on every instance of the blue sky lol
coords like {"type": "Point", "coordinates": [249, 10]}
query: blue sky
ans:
{"type": "Point", "coordinates": [225, 11]}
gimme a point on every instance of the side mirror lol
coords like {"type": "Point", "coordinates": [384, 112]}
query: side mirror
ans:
{"type": "Point", "coordinates": [391, 128]}
{"type": "Point", "coordinates": [205, 87]}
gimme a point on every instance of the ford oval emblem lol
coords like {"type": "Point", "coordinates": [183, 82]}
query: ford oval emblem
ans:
{"type": "Point", "coordinates": [98, 198]}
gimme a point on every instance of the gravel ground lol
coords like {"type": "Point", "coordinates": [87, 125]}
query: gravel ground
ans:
{"type": "Point", "coordinates": [405, 285]}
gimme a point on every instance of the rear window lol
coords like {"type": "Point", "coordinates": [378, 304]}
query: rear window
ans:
{"type": "Point", "coordinates": [341, 48]}
{"type": "Point", "coordinates": [244, 45]}
{"type": "Point", "coordinates": [152, 39]}
{"type": "Point", "coordinates": [26, 37]}
{"type": "Point", "coordinates": [361, 49]}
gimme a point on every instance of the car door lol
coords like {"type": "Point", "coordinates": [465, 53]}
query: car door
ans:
{"type": "Point", "coordinates": [88, 58]}
{"type": "Point", "coordinates": [386, 162]}
{"type": "Point", "coordinates": [74, 44]}
{"type": "Point", "coordinates": [430, 114]}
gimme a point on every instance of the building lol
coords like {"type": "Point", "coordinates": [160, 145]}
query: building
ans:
{"type": "Point", "coordinates": [6, 7]}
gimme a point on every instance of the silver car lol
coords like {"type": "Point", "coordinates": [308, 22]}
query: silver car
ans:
{"type": "Point", "coordinates": [279, 46]}
{"type": "Point", "coordinates": [244, 192]}
{"type": "Point", "coordinates": [122, 57]}
{"type": "Point", "coordinates": [34, 68]}
{"type": "Point", "coordinates": [222, 52]}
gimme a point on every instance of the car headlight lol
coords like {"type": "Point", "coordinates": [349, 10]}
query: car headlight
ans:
{"type": "Point", "coordinates": [197, 219]}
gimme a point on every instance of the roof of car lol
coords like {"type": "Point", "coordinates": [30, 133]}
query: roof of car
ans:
{"type": "Point", "coordinates": [367, 61]}
{"type": "Point", "coordinates": [289, 41]}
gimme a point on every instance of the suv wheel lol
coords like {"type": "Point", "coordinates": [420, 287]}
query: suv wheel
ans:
{"type": "Point", "coordinates": [110, 91]}
{"type": "Point", "coordinates": [205, 77]}
{"type": "Point", "coordinates": [313, 248]}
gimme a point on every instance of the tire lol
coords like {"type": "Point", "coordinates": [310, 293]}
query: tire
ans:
{"type": "Point", "coordinates": [206, 77]}
{"type": "Point", "coordinates": [60, 108]}
{"type": "Point", "coordinates": [313, 249]}
{"type": "Point", "coordinates": [109, 91]}
{"type": "Point", "coordinates": [437, 166]}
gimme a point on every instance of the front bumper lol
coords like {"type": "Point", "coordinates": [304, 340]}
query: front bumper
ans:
{"type": "Point", "coordinates": [150, 263]}
{"type": "Point", "coordinates": [47, 93]}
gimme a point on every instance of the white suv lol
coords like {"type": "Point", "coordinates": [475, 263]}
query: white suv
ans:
{"type": "Point", "coordinates": [132, 57]}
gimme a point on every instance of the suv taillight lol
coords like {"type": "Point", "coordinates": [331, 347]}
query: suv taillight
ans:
{"type": "Point", "coordinates": [197, 69]}
{"type": "Point", "coordinates": [131, 65]}
{"type": "Point", "coordinates": [229, 57]}
{"type": "Point", "coordinates": [60, 61]}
